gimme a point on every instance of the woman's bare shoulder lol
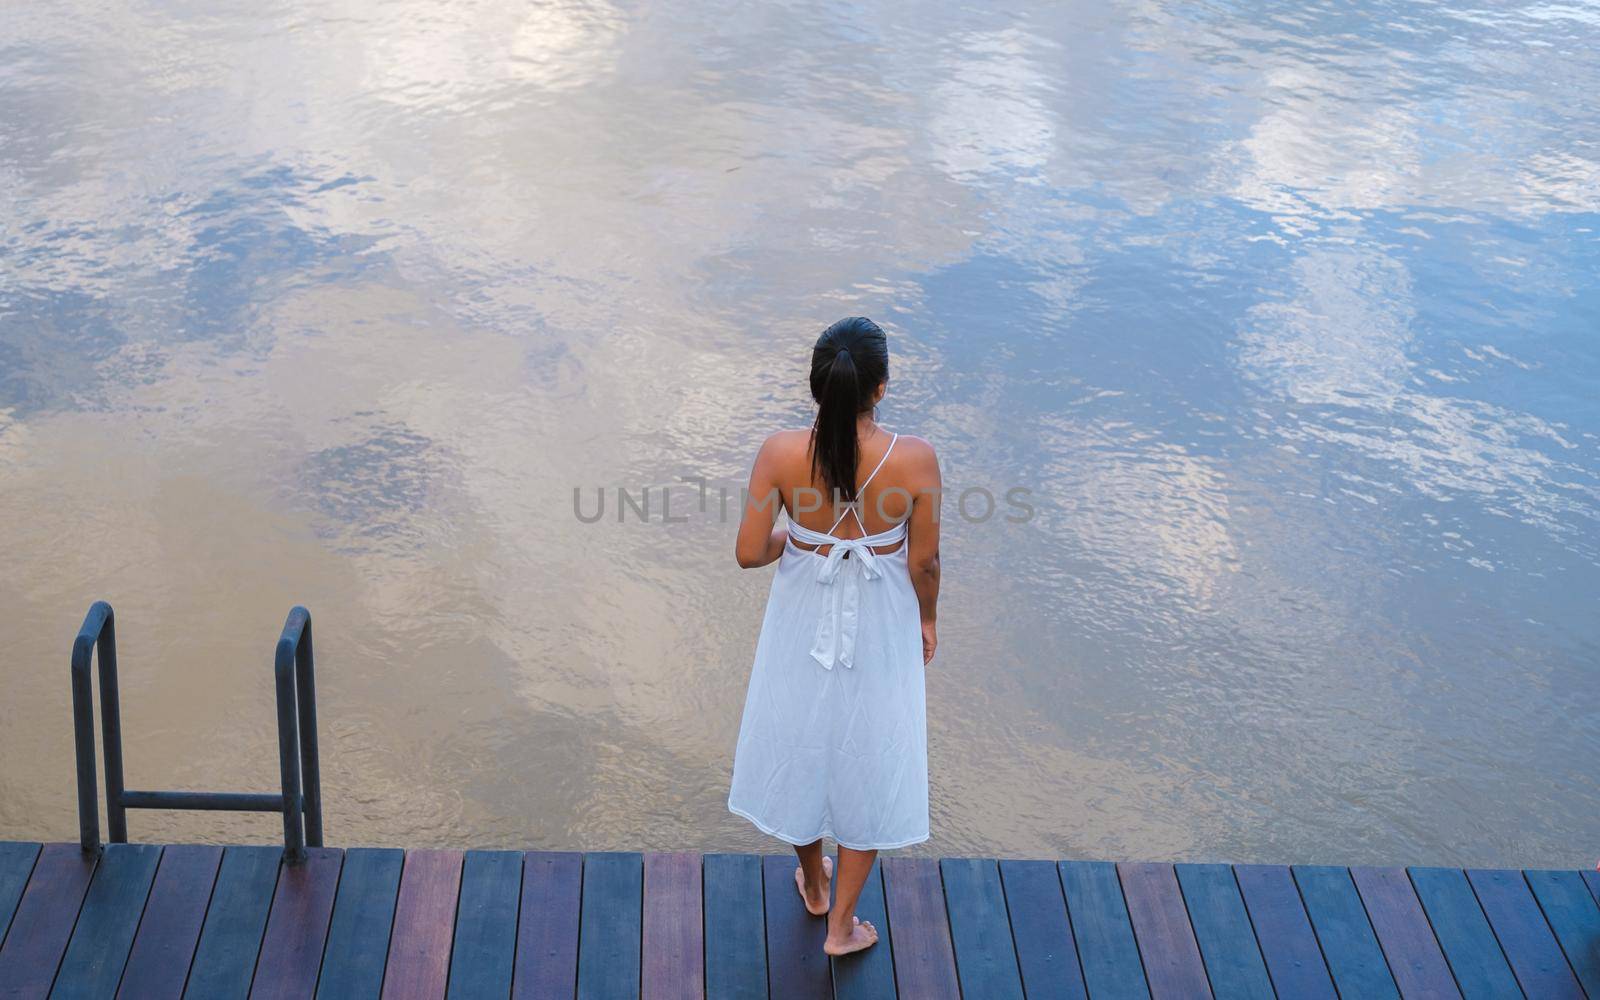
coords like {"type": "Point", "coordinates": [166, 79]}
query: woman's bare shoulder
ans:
{"type": "Point", "coordinates": [782, 449]}
{"type": "Point", "coordinates": [916, 450]}
{"type": "Point", "coordinates": [787, 443]}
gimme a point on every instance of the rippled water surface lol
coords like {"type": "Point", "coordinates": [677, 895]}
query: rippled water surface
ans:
{"type": "Point", "coordinates": [1285, 314]}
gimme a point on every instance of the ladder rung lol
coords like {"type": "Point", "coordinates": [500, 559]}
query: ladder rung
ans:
{"type": "Point", "coordinates": [243, 801]}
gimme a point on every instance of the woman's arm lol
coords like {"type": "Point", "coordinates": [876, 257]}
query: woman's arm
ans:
{"type": "Point", "coordinates": [759, 542]}
{"type": "Point", "coordinates": [922, 545]}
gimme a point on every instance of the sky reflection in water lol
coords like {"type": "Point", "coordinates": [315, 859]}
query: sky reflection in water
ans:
{"type": "Point", "coordinates": [1285, 315]}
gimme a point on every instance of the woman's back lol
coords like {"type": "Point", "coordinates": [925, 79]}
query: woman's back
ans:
{"type": "Point", "coordinates": [892, 471]}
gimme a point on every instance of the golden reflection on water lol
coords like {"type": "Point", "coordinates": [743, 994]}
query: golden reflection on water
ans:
{"type": "Point", "coordinates": [1282, 323]}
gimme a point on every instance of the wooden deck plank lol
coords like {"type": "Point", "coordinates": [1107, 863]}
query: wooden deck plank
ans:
{"type": "Point", "coordinates": [980, 929]}
{"type": "Point", "coordinates": [1107, 951]}
{"type": "Point", "coordinates": [98, 950]}
{"type": "Point", "coordinates": [297, 927]}
{"type": "Point", "coordinates": [230, 939]}
{"type": "Point", "coordinates": [547, 929]}
{"type": "Point", "coordinates": [1223, 932]}
{"type": "Point", "coordinates": [483, 954]}
{"type": "Point", "coordinates": [1530, 946]}
{"type": "Point", "coordinates": [358, 932]}
{"type": "Point", "coordinates": [609, 932]}
{"type": "Point", "coordinates": [1172, 964]}
{"type": "Point", "coordinates": [1463, 932]}
{"type": "Point", "coordinates": [736, 947]}
{"type": "Point", "coordinates": [1047, 957]}
{"type": "Point", "coordinates": [424, 926]}
{"type": "Point", "coordinates": [1403, 932]}
{"type": "Point", "coordinates": [674, 949]}
{"type": "Point", "coordinates": [1288, 944]}
{"type": "Point", "coordinates": [16, 864]}
{"type": "Point", "coordinates": [1591, 878]}
{"type": "Point", "coordinates": [868, 974]}
{"type": "Point", "coordinates": [797, 967]}
{"type": "Point", "coordinates": [163, 949]}
{"type": "Point", "coordinates": [1348, 941]}
{"type": "Point", "coordinates": [1571, 913]}
{"type": "Point", "coordinates": [924, 960]}
{"type": "Point", "coordinates": [43, 921]}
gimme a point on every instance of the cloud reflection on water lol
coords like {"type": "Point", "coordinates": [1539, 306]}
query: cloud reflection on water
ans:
{"type": "Point", "coordinates": [1284, 314]}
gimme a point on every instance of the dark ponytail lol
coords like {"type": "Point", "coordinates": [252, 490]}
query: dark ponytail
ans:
{"type": "Point", "coordinates": [848, 364]}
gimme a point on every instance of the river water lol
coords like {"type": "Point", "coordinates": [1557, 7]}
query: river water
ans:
{"type": "Point", "coordinates": [1283, 316]}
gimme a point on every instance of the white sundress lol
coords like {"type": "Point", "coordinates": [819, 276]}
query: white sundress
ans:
{"type": "Point", "coordinates": [834, 739]}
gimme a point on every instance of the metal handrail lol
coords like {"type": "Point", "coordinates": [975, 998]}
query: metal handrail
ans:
{"type": "Point", "coordinates": [300, 800]}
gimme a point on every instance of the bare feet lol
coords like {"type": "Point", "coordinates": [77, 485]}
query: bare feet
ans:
{"type": "Point", "coordinates": [816, 902]}
{"type": "Point", "coordinates": [862, 936]}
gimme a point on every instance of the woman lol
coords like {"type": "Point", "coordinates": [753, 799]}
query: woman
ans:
{"type": "Point", "coordinates": [834, 739]}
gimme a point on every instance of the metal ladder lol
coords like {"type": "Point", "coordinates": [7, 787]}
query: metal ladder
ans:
{"type": "Point", "coordinates": [300, 801]}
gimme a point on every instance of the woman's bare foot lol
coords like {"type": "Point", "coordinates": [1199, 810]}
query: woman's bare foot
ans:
{"type": "Point", "coordinates": [862, 936]}
{"type": "Point", "coordinates": [816, 903]}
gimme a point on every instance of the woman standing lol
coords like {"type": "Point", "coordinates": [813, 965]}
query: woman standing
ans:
{"type": "Point", "coordinates": [834, 738]}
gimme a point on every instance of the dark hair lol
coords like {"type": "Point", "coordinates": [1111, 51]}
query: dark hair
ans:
{"type": "Point", "coordinates": [848, 364]}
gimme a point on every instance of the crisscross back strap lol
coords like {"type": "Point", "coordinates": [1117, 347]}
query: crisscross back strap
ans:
{"type": "Point", "coordinates": [860, 490]}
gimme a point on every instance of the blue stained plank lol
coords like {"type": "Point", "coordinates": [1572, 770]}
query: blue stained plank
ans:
{"type": "Point", "coordinates": [924, 962]}
{"type": "Point", "coordinates": [1222, 929]}
{"type": "Point", "coordinates": [16, 864]}
{"type": "Point", "coordinates": [1348, 942]}
{"type": "Point", "coordinates": [797, 967]}
{"type": "Point", "coordinates": [483, 955]}
{"type": "Point", "coordinates": [1536, 959]}
{"type": "Point", "coordinates": [980, 929]}
{"type": "Point", "coordinates": [1106, 947]}
{"type": "Point", "coordinates": [297, 929]}
{"type": "Point", "coordinates": [1408, 942]}
{"type": "Point", "coordinates": [158, 965]}
{"type": "Point", "coordinates": [1571, 912]}
{"type": "Point", "coordinates": [1591, 878]}
{"type": "Point", "coordinates": [736, 947]}
{"type": "Point", "coordinates": [358, 934]}
{"type": "Point", "coordinates": [547, 928]}
{"type": "Point", "coordinates": [869, 974]}
{"type": "Point", "coordinates": [106, 924]}
{"type": "Point", "coordinates": [1046, 954]}
{"type": "Point", "coordinates": [1288, 944]}
{"type": "Point", "coordinates": [225, 959]}
{"type": "Point", "coordinates": [1172, 965]}
{"type": "Point", "coordinates": [608, 936]}
{"type": "Point", "coordinates": [1463, 933]}
{"type": "Point", "coordinates": [43, 921]}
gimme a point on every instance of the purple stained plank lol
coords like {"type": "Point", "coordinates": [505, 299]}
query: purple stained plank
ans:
{"type": "Point", "coordinates": [924, 961]}
{"type": "Point", "coordinates": [43, 921]}
{"type": "Point", "coordinates": [158, 964]}
{"type": "Point", "coordinates": [547, 933]}
{"type": "Point", "coordinates": [424, 926]}
{"type": "Point", "coordinates": [1172, 963]}
{"type": "Point", "coordinates": [302, 905]}
{"type": "Point", "coordinates": [674, 949]}
{"type": "Point", "coordinates": [1407, 939]}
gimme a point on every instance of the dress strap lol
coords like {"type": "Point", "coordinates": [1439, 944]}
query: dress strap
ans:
{"type": "Point", "coordinates": [875, 468]}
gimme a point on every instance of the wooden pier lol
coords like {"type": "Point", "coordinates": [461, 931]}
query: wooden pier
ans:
{"type": "Point", "coordinates": [144, 922]}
